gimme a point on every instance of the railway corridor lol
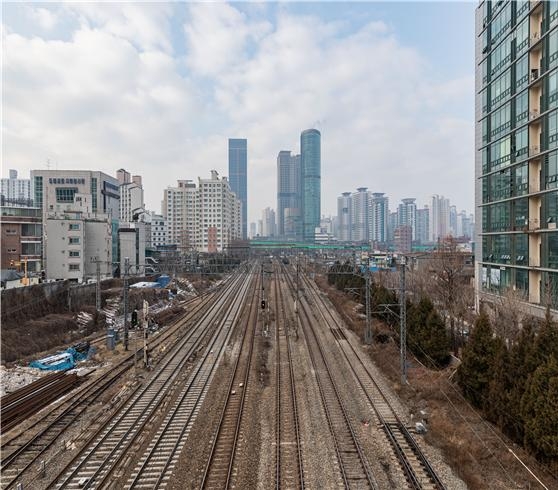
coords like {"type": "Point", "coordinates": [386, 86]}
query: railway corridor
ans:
{"type": "Point", "coordinates": [265, 388]}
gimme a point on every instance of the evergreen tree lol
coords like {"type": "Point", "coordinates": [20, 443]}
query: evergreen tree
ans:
{"type": "Point", "coordinates": [521, 366]}
{"type": "Point", "coordinates": [539, 407]}
{"type": "Point", "coordinates": [499, 389]}
{"type": "Point", "coordinates": [427, 334]}
{"type": "Point", "coordinates": [474, 373]}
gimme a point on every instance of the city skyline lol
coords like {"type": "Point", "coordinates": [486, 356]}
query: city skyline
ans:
{"type": "Point", "coordinates": [179, 100]}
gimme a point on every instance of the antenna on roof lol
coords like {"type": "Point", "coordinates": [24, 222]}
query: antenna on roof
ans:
{"type": "Point", "coordinates": [48, 164]}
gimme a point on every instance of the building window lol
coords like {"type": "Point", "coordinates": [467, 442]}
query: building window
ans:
{"type": "Point", "coordinates": [521, 108]}
{"type": "Point", "coordinates": [73, 226]}
{"type": "Point", "coordinates": [65, 194]}
{"type": "Point", "coordinates": [73, 267]}
{"type": "Point", "coordinates": [11, 231]}
{"type": "Point", "coordinates": [500, 88]}
{"type": "Point", "coordinates": [73, 240]}
{"type": "Point", "coordinates": [74, 253]}
{"type": "Point", "coordinates": [39, 192]}
{"type": "Point", "coordinates": [500, 121]}
{"type": "Point", "coordinates": [94, 203]}
{"type": "Point", "coordinates": [521, 73]}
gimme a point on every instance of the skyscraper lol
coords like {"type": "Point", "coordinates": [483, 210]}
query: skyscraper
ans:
{"type": "Point", "coordinates": [310, 150]}
{"type": "Point", "coordinates": [516, 169]}
{"type": "Point", "coordinates": [360, 215]}
{"type": "Point", "coordinates": [379, 213]}
{"type": "Point", "coordinates": [289, 198]}
{"type": "Point", "coordinates": [344, 217]}
{"type": "Point", "coordinates": [407, 215]}
{"type": "Point", "coordinates": [439, 218]}
{"type": "Point", "coordinates": [238, 163]}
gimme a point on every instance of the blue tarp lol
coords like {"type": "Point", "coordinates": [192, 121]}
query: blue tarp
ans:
{"type": "Point", "coordinates": [60, 361]}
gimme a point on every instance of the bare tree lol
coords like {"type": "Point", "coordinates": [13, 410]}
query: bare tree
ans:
{"type": "Point", "coordinates": [450, 284]}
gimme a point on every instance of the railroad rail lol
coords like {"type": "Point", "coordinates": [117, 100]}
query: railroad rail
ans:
{"type": "Point", "coordinates": [162, 454]}
{"type": "Point", "coordinates": [112, 441]}
{"type": "Point", "coordinates": [21, 451]}
{"type": "Point", "coordinates": [419, 473]}
{"type": "Point", "coordinates": [25, 402]}
{"type": "Point", "coordinates": [289, 471]}
{"type": "Point", "coordinates": [353, 465]}
{"type": "Point", "coordinates": [218, 471]}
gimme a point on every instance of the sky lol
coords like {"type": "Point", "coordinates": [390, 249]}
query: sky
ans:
{"type": "Point", "coordinates": [158, 88]}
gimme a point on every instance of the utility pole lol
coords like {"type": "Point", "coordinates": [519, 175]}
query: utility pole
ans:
{"type": "Point", "coordinates": [403, 321]}
{"type": "Point", "coordinates": [125, 277]}
{"type": "Point", "coordinates": [368, 337]}
{"type": "Point", "coordinates": [145, 331]}
{"type": "Point", "coordinates": [98, 286]}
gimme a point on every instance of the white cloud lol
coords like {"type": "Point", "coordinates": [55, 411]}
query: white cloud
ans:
{"type": "Point", "coordinates": [44, 18]}
{"type": "Point", "coordinates": [115, 95]}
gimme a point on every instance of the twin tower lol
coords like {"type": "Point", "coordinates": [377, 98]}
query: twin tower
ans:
{"type": "Point", "coordinates": [299, 189]}
{"type": "Point", "coordinates": [298, 186]}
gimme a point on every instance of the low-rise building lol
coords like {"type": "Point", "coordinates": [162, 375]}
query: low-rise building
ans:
{"type": "Point", "coordinates": [21, 236]}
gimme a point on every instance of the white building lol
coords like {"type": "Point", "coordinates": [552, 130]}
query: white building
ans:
{"type": "Point", "coordinates": [74, 241]}
{"type": "Point", "coordinates": [219, 214]}
{"type": "Point", "coordinates": [439, 221]}
{"type": "Point", "coordinates": [407, 215]}
{"type": "Point", "coordinates": [95, 196]}
{"type": "Point", "coordinates": [379, 214]}
{"type": "Point", "coordinates": [344, 217]}
{"type": "Point", "coordinates": [16, 189]}
{"type": "Point", "coordinates": [158, 230]}
{"type": "Point", "coordinates": [205, 218]}
{"type": "Point", "coordinates": [131, 195]}
{"type": "Point", "coordinates": [269, 228]}
{"type": "Point", "coordinates": [180, 214]}
{"type": "Point", "coordinates": [360, 215]}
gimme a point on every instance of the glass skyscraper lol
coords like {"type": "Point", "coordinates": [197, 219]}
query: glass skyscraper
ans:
{"type": "Point", "coordinates": [238, 163]}
{"type": "Point", "coordinates": [289, 195]}
{"type": "Point", "coordinates": [310, 143]}
{"type": "Point", "coordinates": [516, 164]}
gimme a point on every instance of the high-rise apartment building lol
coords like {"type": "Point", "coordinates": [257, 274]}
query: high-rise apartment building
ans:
{"type": "Point", "coordinates": [238, 176]}
{"type": "Point", "coordinates": [180, 214]}
{"type": "Point", "coordinates": [360, 215]}
{"type": "Point", "coordinates": [407, 215]}
{"type": "Point", "coordinates": [516, 164]}
{"type": "Point", "coordinates": [439, 218]}
{"type": "Point", "coordinates": [204, 218]}
{"type": "Point", "coordinates": [310, 151]}
{"type": "Point", "coordinates": [289, 198]}
{"type": "Point", "coordinates": [344, 217]}
{"type": "Point", "coordinates": [14, 189]}
{"type": "Point", "coordinates": [379, 213]}
{"type": "Point", "coordinates": [423, 225]}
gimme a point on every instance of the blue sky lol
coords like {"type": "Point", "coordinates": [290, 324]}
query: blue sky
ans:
{"type": "Point", "coordinates": [158, 89]}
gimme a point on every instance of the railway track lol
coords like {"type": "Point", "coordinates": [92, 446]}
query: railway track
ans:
{"type": "Point", "coordinates": [162, 454]}
{"type": "Point", "coordinates": [27, 401]}
{"type": "Point", "coordinates": [219, 469]}
{"type": "Point", "coordinates": [94, 464]}
{"type": "Point", "coordinates": [288, 451]}
{"type": "Point", "coordinates": [21, 451]}
{"type": "Point", "coordinates": [418, 472]}
{"type": "Point", "coordinates": [353, 465]}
